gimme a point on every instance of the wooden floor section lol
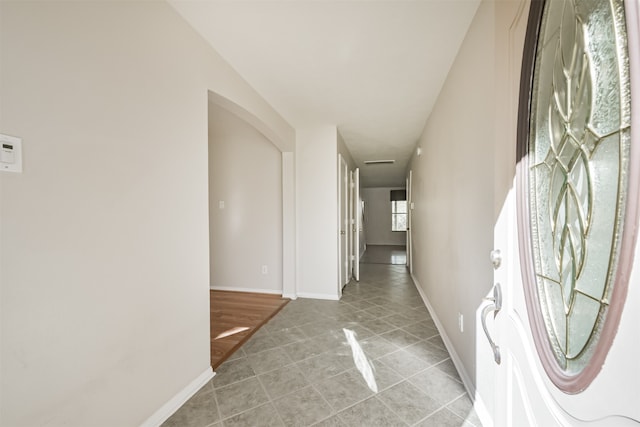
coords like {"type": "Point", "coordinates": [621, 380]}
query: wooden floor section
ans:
{"type": "Point", "coordinates": [235, 316]}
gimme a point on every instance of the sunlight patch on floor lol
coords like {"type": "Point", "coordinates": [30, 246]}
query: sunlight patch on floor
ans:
{"type": "Point", "coordinates": [232, 331]}
{"type": "Point", "coordinates": [361, 361]}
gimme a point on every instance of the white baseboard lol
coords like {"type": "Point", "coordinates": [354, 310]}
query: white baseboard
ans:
{"type": "Point", "coordinates": [169, 408]}
{"type": "Point", "coordinates": [332, 297]}
{"type": "Point", "coordinates": [464, 376]}
{"type": "Point", "coordinates": [290, 296]}
{"type": "Point", "coordinates": [252, 290]}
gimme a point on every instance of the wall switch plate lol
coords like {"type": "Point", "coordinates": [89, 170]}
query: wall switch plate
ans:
{"type": "Point", "coordinates": [265, 270]}
{"type": "Point", "coordinates": [461, 322]}
{"type": "Point", "coordinates": [10, 153]}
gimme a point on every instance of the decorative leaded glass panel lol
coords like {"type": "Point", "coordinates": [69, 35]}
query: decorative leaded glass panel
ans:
{"type": "Point", "coordinates": [578, 161]}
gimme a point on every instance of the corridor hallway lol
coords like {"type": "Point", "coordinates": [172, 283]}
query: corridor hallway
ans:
{"type": "Point", "coordinates": [373, 358]}
{"type": "Point", "coordinates": [385, 254]}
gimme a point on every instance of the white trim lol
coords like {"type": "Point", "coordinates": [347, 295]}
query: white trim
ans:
{"type": "Point", "coordinates": [252, 290]}
{"type": "Point", "coordinates": [169, 408]}
{"type": "Point", "coordinates": [290, 296]}
{"type": "Point", "coordinates": [332, 297]}
{"type": "Point", "coordinates": [478, 404]}
{"type": "Point", "coordinates": [288, 224]}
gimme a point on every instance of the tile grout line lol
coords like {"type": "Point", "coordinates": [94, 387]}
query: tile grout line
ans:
{"type": "Point", "coordinates": [356, 317]}
{"type": "Point", "coordinates": [394, 412]}
{"type": "Point", "coordinates": [215, 399]}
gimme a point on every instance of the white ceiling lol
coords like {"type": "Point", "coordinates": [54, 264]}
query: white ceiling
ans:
{"type": "Point", "coordinates": [372, 68]}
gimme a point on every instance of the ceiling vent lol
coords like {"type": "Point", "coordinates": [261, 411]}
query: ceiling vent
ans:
{"type": "Point", "coordinates": [378, 162]}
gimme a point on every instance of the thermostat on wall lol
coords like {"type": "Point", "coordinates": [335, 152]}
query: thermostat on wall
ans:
{"type": "Point", "coordinates": [10, 153]}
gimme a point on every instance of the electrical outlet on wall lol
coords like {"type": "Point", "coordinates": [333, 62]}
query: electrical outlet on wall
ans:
{"type": "Point", "coordinates": [461, 322]}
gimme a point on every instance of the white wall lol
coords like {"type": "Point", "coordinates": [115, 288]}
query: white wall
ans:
{"type": "Point", "coordinates": [377, 214]}
{"type": "Point", "coordinates": [346, 154]}
{"type": "Point", "coordinates": [104, 272]}
{"type": "Point", "coordinates": [317, 208]}
{"type": "Point", "coordinates": [245, 173]}
{"type": "Point", "coordinates": [453, 182]}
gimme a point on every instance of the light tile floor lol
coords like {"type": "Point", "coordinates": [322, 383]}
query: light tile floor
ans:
{"type": "Point", "coordinates": [372, 359]}
{"type": "Point", "coordinates": [385, 254]}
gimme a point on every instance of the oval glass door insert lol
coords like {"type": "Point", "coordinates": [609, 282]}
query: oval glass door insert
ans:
{"type": "Point", "coordinates": [574, 168]}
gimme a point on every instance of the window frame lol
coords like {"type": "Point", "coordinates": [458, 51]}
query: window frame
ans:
{"type": "Point", "coordinates": [395, 214]}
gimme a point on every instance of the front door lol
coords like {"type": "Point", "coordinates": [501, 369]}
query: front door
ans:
{"type": "Point", "coordinates": [566, 305]}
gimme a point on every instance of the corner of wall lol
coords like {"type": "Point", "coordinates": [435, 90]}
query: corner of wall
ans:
{"type": "Point", "coordinates": [165, 411]}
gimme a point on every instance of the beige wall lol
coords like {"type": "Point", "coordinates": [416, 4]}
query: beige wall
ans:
{"type": "Point", "coordinates": [453, 182]}
{"type": "Point", "coordinates": [316, 156]}
{"type": "Point", "coordinates": [105, 260]}
{"type": "Point", "coordinates": [245, 173]}
{"type": "Point", "coordinates": [317, 150]}
{"type": "Point", "coordinates": [317, 212]}
{"type": "Point", "coordinates": [377, 214]}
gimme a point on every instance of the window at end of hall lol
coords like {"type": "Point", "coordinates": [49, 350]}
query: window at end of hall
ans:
{"type": "Point", "coordinates": [399, 215]}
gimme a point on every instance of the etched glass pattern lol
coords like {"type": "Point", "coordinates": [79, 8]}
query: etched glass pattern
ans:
{"type": "Point", "coordinates": [578, 160]}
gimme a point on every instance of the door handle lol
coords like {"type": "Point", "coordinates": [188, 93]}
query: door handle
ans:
{"type": "Point", "coordinates": [495, 306]}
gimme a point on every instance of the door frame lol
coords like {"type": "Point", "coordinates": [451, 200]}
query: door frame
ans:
{"type": "Point", "coordinates": [409, 244]}
{"type": "Point", "coordinates": [350, 225]}
{"type": "Point", "coordinates": [343, 209]}
{"type": "Point", "coordinates": [356, 225]}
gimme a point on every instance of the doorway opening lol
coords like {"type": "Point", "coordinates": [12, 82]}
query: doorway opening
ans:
{"type": "Point", "coordinates": [386, 220]}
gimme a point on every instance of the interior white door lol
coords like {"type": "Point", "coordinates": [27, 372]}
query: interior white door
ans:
{"type": "Point", "coordinates": [343, 212]}
{"type": "Point", "coordinates": [567, 269]}
{"type": "Point", "coordinates": [357, 224]}
{"type": "Point", "coordinates": [351, 223]}
{"type": "Point", "coordinates": [409, 213]}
